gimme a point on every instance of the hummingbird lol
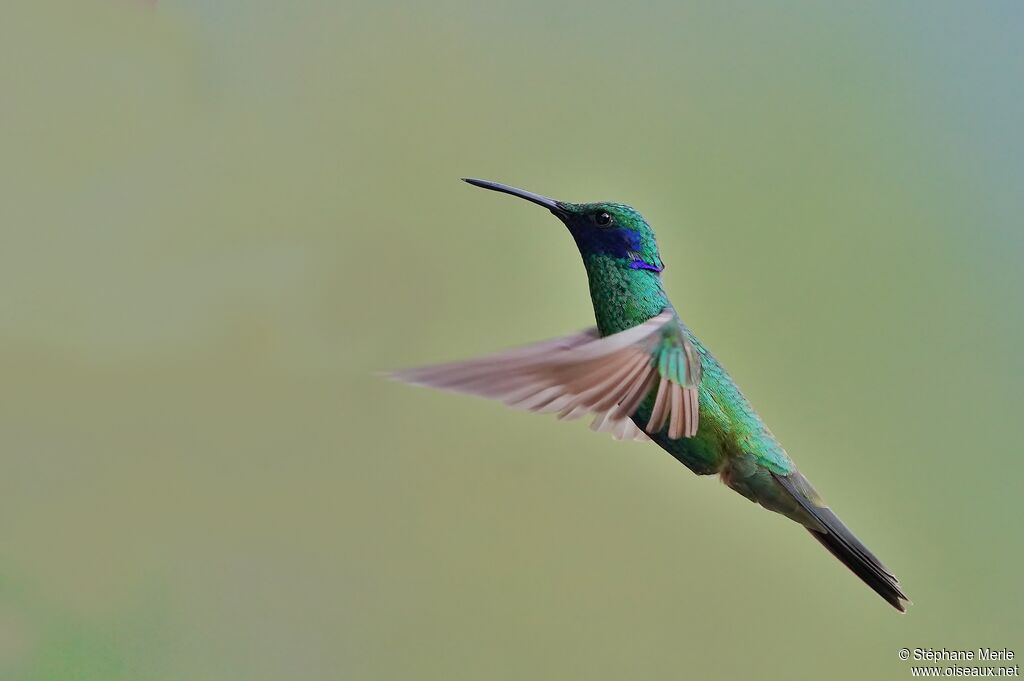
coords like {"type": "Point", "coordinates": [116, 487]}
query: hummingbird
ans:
{"type": "Point", "coordinates": [645, 376]}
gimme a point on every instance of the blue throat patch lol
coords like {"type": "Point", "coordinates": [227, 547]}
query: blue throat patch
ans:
{"type": "Point", "coordinates": [642, 265]}
{"type": "Point", "coordinates": [621, 243]}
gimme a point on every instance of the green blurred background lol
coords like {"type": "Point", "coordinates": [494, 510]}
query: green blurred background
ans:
{"type": "Point", "coordinates": [220, 219]}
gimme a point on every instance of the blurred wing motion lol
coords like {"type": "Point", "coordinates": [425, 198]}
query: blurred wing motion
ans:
{"type": "Point", "coordinates": [584, 373]}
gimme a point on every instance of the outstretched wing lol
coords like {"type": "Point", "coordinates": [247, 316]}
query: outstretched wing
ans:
{"type": "Point", "coordinates": [583, 373]}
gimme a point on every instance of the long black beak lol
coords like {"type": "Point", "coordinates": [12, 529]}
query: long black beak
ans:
{"type": "Point", "coordinates": [552, 205]}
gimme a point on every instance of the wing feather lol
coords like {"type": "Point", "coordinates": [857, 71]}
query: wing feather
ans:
{"type": "Point", "coordinates": [585, 373]}
{"type": "Point", "coordinates": [660, 411]}
{"type": "Point", "coordinates": [692, 413]}
{"type": "Point", "coordinates": [675, 423]}
{"type": "Point", "coordinates": [640, 389]}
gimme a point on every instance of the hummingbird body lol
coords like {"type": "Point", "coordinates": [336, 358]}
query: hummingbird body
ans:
{"type": "Point", "coordinates": [647, 376]}
{"type": "Point", "coordinates": [731, 440]}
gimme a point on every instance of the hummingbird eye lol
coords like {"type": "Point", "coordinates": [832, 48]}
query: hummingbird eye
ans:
{"type": "Point", "coordinates": [602, 219]}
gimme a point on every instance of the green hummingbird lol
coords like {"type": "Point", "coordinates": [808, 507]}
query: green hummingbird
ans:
{"type": "Point", "coordinates": [646, 376]}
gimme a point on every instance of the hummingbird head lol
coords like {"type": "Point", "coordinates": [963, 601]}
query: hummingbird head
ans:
{"type": "Point", "coordinates": [610, 230]}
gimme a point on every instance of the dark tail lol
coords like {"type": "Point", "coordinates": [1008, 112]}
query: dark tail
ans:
{"type": "Point", "coordinates": [842, 544]}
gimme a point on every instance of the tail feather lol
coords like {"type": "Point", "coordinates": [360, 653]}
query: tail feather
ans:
{"type": "Point", "coordinates": [842, 544]}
